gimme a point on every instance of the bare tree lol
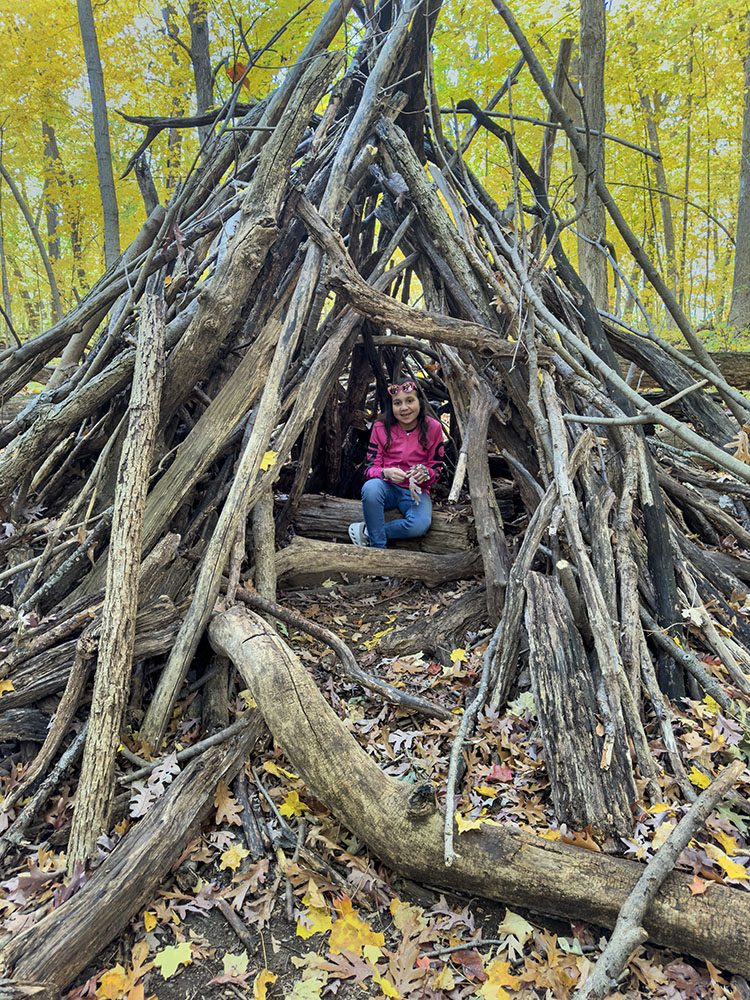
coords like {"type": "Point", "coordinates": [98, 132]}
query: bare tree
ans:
{"type": "Point", "coordinates": [588, 109]}
{"type": "Point", "coordinates": [739, 312]}
{"type": "Point", "coordinates": [101, 132]}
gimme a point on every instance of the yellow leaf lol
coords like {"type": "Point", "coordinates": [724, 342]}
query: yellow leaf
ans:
{"type": "Point", "coordinates": [459, 654]}
{"type": "Point", "coordinates": [498, 976]}
{"type": "Point", "coordinates": [114, 983]}
{"type": "Point", "coordinates": [486, 791]}
{"type": "Point", "coordinates": [235, 965]}
{"type": "Point", "coordinates": [5, 687]}
{"type": "Point", "coordinates": [250, 702]}
{"type": "Point", "coordinates": [662, 833]}
{"type": "Point", "coordinates": [444, 980]}
{"type": "Point", "coordinates": [350, 932]}
{"type": "Point", "coordinates": [549, 834]}
{"type": "Point", "coordinates": [314, 920]}
{"type": "Point", "coordinates": [268, 460]}
{"type": "Point", "coordinates": [658, 807]}
{"type": "Point", "coordinates": [733, 870]}
{"type": "Point", "coordinates": [262, 981]}
{"type": "Point", "coordinates": [388, 989]}
{"type": "Point", "coordinates": [372, 954]}
{"type": "Point", "coordinates": [515, 925]}
{"type": "Point", "coordinates": [404, 914]}
{"type": "Point", "coordinates": [268, 765]}
{"type": "Point", "coordinates": [293, 806]}
{"type": "Point", "coordinates": [168, 959]}
{"type": "Point", "coordinates": [464, 824]}
{"type": "Point", "coordinates": [149, 920]}
{"type": "Point", "coordinates": [699, 778]}
{"type": "Point", "coordinates": [729, 844]}
{"type": "Point", "coordinates": [233, 858]}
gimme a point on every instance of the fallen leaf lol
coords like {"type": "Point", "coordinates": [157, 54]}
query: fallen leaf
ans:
{"type": "Point", "coordinates": [698, 778]}
{"type": "Point", "coordinates": [733, 870]}
{"type": "Point", "coordinates": [268, 460]}
{"type": "Point", "coordinates": [113, 985]}
{"type": "Point", "coordinates": [228, 809]}
{"type": "Point", "coordinates": [697, 886]}
{"type": "Point", "coordinates": [233, 857]}
{"type": "Point", "coordinates": [262, 981]}
{"type": "Point", "coordinates": [314, 920]}
{"type": "Point", "coordinates": [350, 932]}
{"type": "Point", "coordinates": [662, 833]}
{"type": "Point", "coordinates": [458, 655]}
{"type": "Point", "coordinates": [293, 806]}
{"type": "Point", "coordinates": [5, 687]}
{"type": "Point", "coordinates": [498, 977]}
{"type": "Point", "coordinates": [168, 959]}
{"type": "Point", "coordinates": [149, 920]}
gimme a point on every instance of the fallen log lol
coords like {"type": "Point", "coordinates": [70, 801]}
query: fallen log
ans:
{"type": "Point", "coordinates": [446, 625]}
{"type": "Point", "coordinates": [328, 518]}
{"type": "Point", "coordinates": [305, 556]}
{"type": "Point", "coordinates": [156, 626]}
{"type": "Point", "coordinates": [68, 938]}
{"type": "Point", "coordinates": [498, 862]}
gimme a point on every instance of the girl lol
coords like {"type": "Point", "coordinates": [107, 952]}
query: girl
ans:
{"type": "Point", "coordinates": [404, 459]}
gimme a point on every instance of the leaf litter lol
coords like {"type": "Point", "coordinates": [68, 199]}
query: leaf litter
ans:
{"type": "Point", "coordinates": [356, 929]}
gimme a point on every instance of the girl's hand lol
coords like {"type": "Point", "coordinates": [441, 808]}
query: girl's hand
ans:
{"type": "Point", "coordinates": [418, 473]}
{"type": "Point", "coordinates": [395, 475]}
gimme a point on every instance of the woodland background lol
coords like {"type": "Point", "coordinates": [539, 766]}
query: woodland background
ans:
{"type": "Point", "coordinates": [674, 83]}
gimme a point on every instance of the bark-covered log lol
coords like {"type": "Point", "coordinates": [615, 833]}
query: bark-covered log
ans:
{"type": "Point", "coordinates": [447, 624]}
{"type": "Point", "coordinates": [67, 939]}
{"type": "Point", "coordinates": [587, 786]}
{"type": "Point", "coordinates": [305, 556]}
{"type": "Point", "coordinates": [47, 672]}
{"type": "Point", "coordinates": [505, 863]}
{"type": "Point", "coordinates": [327, 518]}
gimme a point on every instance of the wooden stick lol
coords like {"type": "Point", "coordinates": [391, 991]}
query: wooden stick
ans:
{"type": "Point", "coordinates": [112, 679]}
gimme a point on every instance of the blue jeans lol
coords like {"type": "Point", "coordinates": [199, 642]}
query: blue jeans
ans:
{"type": "Point", "coordinates": [378, 496]}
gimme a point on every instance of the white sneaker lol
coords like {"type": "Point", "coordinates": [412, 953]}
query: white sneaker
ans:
{"type": "Point", "coordinates": [358, 533]}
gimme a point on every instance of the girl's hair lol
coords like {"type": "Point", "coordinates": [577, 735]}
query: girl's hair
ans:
{"type": "Point", "coordinates": [388, 419]}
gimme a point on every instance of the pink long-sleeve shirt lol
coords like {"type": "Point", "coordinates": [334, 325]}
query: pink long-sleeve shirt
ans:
{"type": "Point", "coordinates": [405, 450]}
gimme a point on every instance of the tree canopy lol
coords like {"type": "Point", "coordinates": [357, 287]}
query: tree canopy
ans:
{"type": "Point", "coordinates": [678, 71]}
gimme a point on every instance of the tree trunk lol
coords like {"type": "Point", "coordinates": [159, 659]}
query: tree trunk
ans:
{"type": "Point", "coordinates": [739, 311]}
{"type": "Point", "coordinates": [102, 144]}
{"type": "Point", "coordinates": [201, 58]}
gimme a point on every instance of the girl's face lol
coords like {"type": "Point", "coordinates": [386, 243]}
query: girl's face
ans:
{"type": "Point", "coordinates": [406, 409]}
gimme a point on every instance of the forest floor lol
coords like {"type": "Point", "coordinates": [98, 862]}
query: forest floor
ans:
{"type": "Point", "coordinates": [357, 930]}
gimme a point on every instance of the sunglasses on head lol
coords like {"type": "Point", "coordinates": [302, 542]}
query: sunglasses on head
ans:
{"type": "Point", "coordinates": [394, 390]}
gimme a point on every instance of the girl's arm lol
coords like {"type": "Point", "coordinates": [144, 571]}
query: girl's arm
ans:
{"type": "Point", "coordinates": [375, 452]}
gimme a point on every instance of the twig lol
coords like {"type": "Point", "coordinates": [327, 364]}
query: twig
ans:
{"type": "Point", "coordinates": [641, 418]}
{"type": "Point", "coordinates": [236, 924]}
{"type": "Point", "coordinates": [346, 657]}
{"type": "Point", "coordinates": [690, 662]}
{"type": "Point", "coordinates": [552, 125]}
{"type": "Point", "coordinates": [467, 720]}
{"type": "Point", "coordinates": [189, 752]}
{"type": "Point", "coordinates": [628, 932]}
